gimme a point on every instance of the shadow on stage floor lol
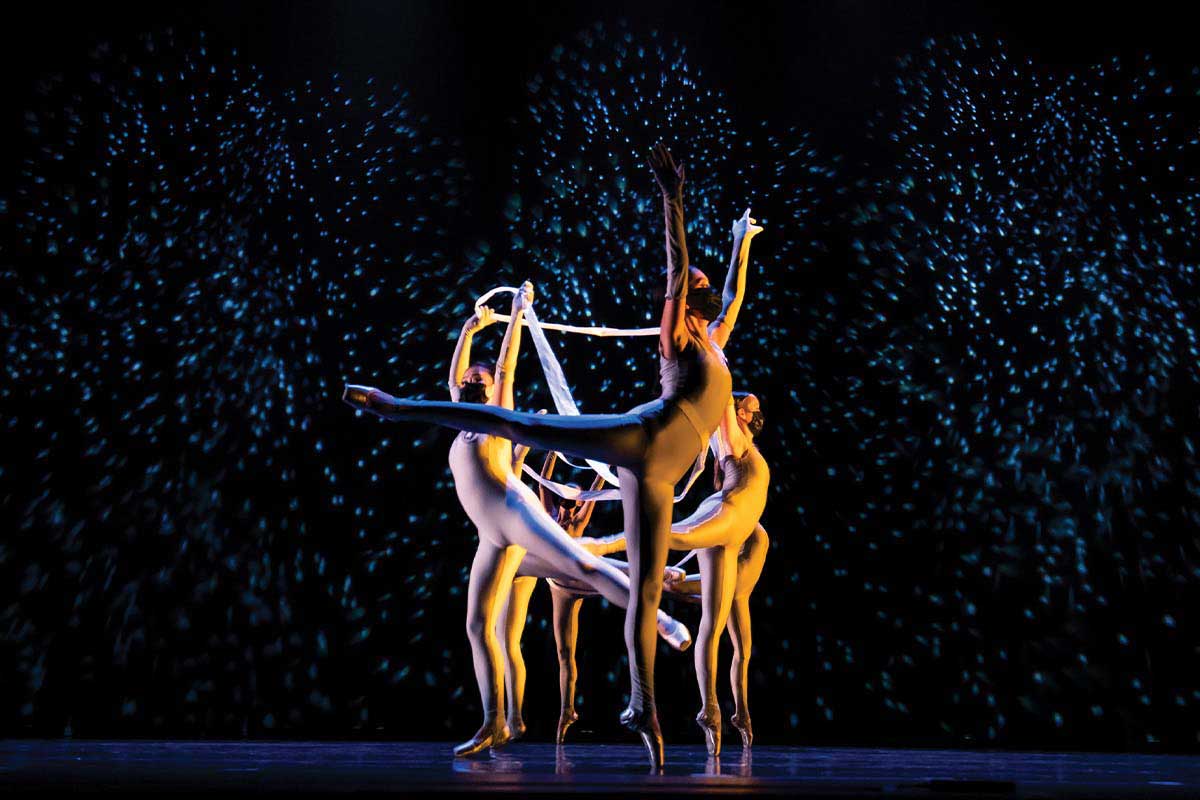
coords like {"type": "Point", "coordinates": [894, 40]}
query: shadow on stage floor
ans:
{"type": "Point", "coordinates": [394, 768]}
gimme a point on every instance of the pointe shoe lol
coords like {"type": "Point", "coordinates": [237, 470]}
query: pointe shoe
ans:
{"type": "Point", "coordinates": [367, 398]}
{"type": "Point", "coordinates": [566, 718]}
{"type": "Point", "coordinates": [709, 721]}
{"type": "Point", "coordinates": [675, 633]}
{"type": "Point", "coordinates": [357, 396]}
{"type": "Point", "coordinates": [516, 730]}
{"type": "Point", "coordinates": [742, 724]}
{"type": "Point", "coordinates": [485, 737]}
{"type": "Point", "coordinates": [645, 725]}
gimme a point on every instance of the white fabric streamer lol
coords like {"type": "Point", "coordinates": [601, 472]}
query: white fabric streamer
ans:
{"type": "Point", "coordinates": [564, 402]}
{"type": "Point", "coordinates": [679, 564]}
{"type": "Point", "coordinates": [591, 330]}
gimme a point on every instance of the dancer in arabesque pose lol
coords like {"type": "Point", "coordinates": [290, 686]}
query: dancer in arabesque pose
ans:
{"type": "Point", "coordinates": [718, 531]}
{"type": "Point", "coordinates": [511, 522]}
{"type": "Point", "coordinates": [651, 446]}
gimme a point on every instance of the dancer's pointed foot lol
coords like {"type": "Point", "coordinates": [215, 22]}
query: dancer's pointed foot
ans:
{"type": "Point", "coordinates": [709, 720]}
{"type": "Point", "coordinates": [645, 725]}
{"type": "Point", "coordinates": [368, 398]}
{"type": "Point", "coordinates": [490, 735]}
{"type": "Point", "coordinates": [566, 718]}
{"type": "Point", "coordinates": [516, 729]}
{"type": "Point", "coordinates": [674, 632]}
{"type": "Point", "coordinates": [742, 723]}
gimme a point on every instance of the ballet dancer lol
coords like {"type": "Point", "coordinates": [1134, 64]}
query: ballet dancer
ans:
{"type": "Point", "coordinates": [511, 522]}
{"type": "Point", "coordinates": [750, 563]}
{"type": "Point", "coordinates": [717, 531]}
{"type": "Point", "coordinates": [573, 517]}
{"type": "Point", "coordinates": [651, 446]}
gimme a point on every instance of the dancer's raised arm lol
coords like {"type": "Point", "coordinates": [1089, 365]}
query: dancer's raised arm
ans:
{"type": "Point", "coordinates": [583, 514]}
{"type": "Point", "coordinates": [744, 229]}
{"type": "Point", "coordinates": [672, 335]}
{"type": "Point", "coordinates": [506, 364]}
{"type": "Point", "coordinates": [518, 459]}
{"type": "Point", "coordinates": [544, 495]}
{"type": "Point", "coordinates": [462, 351]}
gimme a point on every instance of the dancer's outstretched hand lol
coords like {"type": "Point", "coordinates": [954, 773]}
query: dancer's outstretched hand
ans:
{"type": "Point", "coordinates": [481, 319]}
{"type": "Point", "coordinates": [745, 228]}
{"type": "Point", "coordinates": [668, 175]}
{"type": "Point", "coordinates": [524, 298]}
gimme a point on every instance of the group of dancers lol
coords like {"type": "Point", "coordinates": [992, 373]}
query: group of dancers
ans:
{"type": "Point", "coordinates": [523, 536]}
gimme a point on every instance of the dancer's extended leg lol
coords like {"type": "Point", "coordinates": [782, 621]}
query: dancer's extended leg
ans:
{"type": "Point", "coordinates": [718, 575]}
{"type": "Point", "coordinates": [616, 439]}
{"type": "Point", "coordinates": [512, 624]}
{"type": "Point", "coordinates": [711, 525]}
{"type": "Point", "coordinates": [566, 632]}
{"type": "Point", "coordinates": [564, 556]}
{"type": "Point", "coordinates": [492, 573]}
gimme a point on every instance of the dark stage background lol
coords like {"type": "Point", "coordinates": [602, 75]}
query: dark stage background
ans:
{"type": "Point", "coordinates": [972, 320]}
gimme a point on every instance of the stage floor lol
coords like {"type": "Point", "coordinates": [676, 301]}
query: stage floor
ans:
{"type": "Point", "coordinates": [422, 768]}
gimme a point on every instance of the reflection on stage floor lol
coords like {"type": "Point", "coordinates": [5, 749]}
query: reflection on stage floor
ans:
{"type": "Point", "coordinates": [424, 767]}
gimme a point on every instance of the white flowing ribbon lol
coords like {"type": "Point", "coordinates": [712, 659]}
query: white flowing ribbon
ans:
{"type": "Point", "coordinates": [686, 559]}
{"type": "Point", "coordinates": [564, 402]}
{"type": "Point", "coordinates": [588, 330]}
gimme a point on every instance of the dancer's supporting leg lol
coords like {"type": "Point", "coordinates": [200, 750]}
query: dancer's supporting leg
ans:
{"type": "Point", "coordinates": [492, 574]}
{"type": "Point", "coordinates": [647, 507]}
{"type": "Point", "coordinates": [566, 633]}
{"type": "Point", "coordinates": [718, 577]}
{"type": "Point", "coordinates": [512, 624]}
{"type": "Point", "coordinates": [750, 566]}
{"type": "Point", "coordinates": [648, 469]}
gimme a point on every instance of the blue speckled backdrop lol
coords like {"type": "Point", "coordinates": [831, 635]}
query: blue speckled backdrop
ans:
{"type": "Point", "coordinates": [972, 320]}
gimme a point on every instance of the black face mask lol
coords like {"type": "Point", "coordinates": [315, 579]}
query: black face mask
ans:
{"type": "Point", "coordinates": [756, 424]}
{"type": "Point", "coordinates": [475, 392]}
{"type": "Point", "coordinates": [707, 302]}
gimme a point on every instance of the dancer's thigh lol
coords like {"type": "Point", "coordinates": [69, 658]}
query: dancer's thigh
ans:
{"type": "Point", "coordinates": [616, 439]}
{"type": "Point", "coordinates": [516, 609]}
{"type": "Point", "coordinates": [705, 510]}
{"type": "Point", "coordinates": [751, 560]}
{"type": "Point", "coordinates": [646, 506]}
{"type": "Point", "coordinates": [714, 525]}
{"type": "Point", "coordinates": [552, 548]}
{"type": "Point", "coordinates": [534, 566]}
{"type": "Point", "coordinates": [672, 447]}
{"type": "Point", "coordinates": [485, 591]}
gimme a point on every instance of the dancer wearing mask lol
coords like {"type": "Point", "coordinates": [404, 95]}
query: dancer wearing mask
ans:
{"type": "Point", "coordinates": [690, 588]}
{"type": "Point", "coordinates": [567, 596]}
{"type": "Point", "coordinates": [651, 446]}
{"type": "Point", "coordinates": [718, 531]}
{"type": "Point", "coordinates": [511, 523]}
